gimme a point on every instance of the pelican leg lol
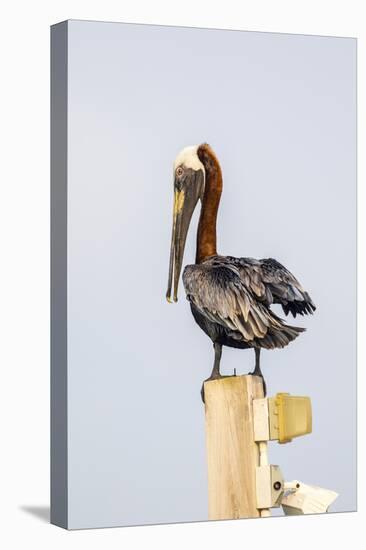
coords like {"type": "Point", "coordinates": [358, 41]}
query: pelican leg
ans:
{"type": "Point", "coordinates": [216, 366]}
{"type": "Point", "coordinates": [215, 374]}
{"type": "Point", "coordinates": [257, 369]}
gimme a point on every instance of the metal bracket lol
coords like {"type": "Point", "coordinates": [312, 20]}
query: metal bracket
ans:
{"type": "Point", "coordinates": [269, 486]}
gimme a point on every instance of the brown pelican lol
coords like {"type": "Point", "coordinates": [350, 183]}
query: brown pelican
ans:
{"type": "Point", "coordinates": [230, 297]}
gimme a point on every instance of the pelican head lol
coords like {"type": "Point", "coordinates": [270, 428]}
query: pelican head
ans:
{"type": "Point", "coordinates": [189, 184]}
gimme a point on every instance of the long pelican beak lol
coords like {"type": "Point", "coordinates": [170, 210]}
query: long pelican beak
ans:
{"type": "Point", "coordinates": [187, 191]}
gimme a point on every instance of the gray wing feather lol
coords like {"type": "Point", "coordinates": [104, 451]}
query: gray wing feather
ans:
{"type": "Point", "coordinates": [272, 283]}
{"type": "Point", "coordinates": [218, 292]}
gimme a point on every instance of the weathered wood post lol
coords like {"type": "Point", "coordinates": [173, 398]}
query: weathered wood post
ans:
{"type": "Point", "coordinates": [232, 453]}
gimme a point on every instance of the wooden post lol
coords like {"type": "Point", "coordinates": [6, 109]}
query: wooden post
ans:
{"type": "Point", "coordinates": [232, 453]}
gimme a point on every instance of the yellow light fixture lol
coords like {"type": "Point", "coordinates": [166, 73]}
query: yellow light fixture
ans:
{"type": "Point", "coordinates": [289, 416]}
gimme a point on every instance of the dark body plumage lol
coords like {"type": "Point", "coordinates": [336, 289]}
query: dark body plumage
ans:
{"type": "Point", "coordinates": [231, 297]}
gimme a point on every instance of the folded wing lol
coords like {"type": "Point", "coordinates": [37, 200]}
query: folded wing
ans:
{"type": "Point", "coordinates": [272, 283]}
{"type": "Point", "coordinates": [219, 291]}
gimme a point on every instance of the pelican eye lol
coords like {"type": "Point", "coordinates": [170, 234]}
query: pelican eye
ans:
{"type": "Point", "coordinates": [179, 172]}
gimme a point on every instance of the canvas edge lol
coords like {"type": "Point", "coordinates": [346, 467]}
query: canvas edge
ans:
{"type": "Point", "coordinates": [58, 405]}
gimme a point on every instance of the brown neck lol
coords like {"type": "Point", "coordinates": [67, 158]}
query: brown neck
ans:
{"type": "Point", "coordinates": [206, 233]}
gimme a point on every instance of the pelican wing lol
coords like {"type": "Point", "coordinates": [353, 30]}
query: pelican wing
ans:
{"type": "Point", "coordinates": [270, 282]}
{"type": "Point", "coordinates": [217, 290]}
